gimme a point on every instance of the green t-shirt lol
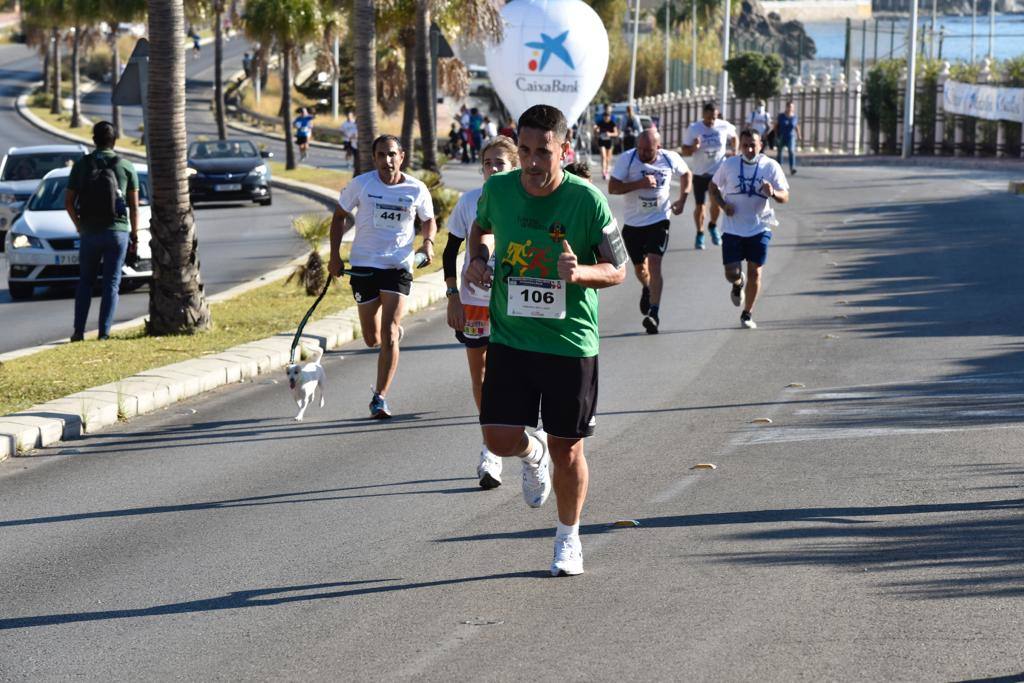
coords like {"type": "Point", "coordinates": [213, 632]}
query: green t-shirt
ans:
{"type": "Point", "coordinates": [127, 180]}
{"type": "Point", "coordinates": [528, 232]}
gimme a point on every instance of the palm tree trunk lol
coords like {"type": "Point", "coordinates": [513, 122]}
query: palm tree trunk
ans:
{"type": "Point", "coordinates": [76, 104]}
{"type": "Point", "coordinates": [409, 107]}
{"type": "Point", "coordinates": [364, 55]}
{"type": "Point", "coordinates": [425, 86]}
{"type": "Point", "coordinates": [46, 69]}
{"type": "Point", "coordinates": [218, 61]}
{"type": "Point", "coordinates": [115, 66]}
{"type": "Point", "coordinates": [56, 106]}
{"type": "Point", "coordinates": [177, 301]}
{"type": "Point", "coordinates": [286, 106]}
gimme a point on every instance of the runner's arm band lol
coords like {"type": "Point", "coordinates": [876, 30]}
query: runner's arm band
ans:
{"type": "Point", "coordinates": [612, 249]}
{"type": "Point", "coordinates": [451, 253]}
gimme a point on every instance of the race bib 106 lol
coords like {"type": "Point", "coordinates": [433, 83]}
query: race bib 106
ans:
{"type": "Point", "coordinates": [533, 297]}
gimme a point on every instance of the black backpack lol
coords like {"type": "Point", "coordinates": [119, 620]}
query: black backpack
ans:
{"type": "Point", "coordinates": [98, 190]}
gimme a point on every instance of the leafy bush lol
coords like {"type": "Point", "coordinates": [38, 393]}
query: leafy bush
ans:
{"type": "Point", "coordinates": [881, 99]}
{"type": "Point", "coordinates": [755, 75]}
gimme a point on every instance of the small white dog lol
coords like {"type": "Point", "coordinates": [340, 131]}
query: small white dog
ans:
{"type": "Point", "coordinates": [304, 378]}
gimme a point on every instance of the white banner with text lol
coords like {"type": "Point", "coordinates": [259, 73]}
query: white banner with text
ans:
{"type": "Point", "coordinates": [983, 101]}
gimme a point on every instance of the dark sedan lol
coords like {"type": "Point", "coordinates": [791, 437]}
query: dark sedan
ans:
{"type": "Point", "coordinates": [228, 171]}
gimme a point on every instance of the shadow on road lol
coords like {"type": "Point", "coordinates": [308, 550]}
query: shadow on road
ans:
{"type": "Point", "coordinates": [949, 554]}
{"type": "Point", "coordinates": [263, 597]}
{"type": "Point", "coordinates": [254, 501]}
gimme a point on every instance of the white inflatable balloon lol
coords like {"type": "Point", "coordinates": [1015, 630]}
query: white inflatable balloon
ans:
{"type": "Point", "coordinates": [553, 52]}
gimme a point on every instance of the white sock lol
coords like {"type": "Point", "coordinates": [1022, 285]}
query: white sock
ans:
{"type": "Point", "coordinates": [536, 451]}
{"type": "Point", "coordinates": [567, 530]}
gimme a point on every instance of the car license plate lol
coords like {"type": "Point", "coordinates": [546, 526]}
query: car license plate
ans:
{"type": "Point", "coordinates": [228, 187]}
{"type": "Point", "coordinates": [66, 259]}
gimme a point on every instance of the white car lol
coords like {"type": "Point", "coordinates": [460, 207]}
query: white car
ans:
{"type": "Point", "coordinates": [42, 246]}
{"type": "Point", "coordinates": [21, 170]}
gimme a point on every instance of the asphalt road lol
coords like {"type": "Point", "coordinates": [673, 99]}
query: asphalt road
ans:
{"type": "Point", "coordinates": [237, 242]}
{"type": "Point", "coordinates": [871, 532]}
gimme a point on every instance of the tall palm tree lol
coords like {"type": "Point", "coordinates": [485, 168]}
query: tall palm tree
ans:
{"type": "Point", "coordinates": [364, 55]}
{"type": "Point", "coordinates": [51, 14]}
{"type": "Point", "coordinates": [476, 21]}
{"type": "Point", "coordinates": [177, 300]}
{"type": "Point", "coordinates": [289, 24]}
{"type": "Point", "coordinates": [424, 86]}
{"type": "Point", "coordinates": [218, 68]}
{"type": "Point", "coordinates": [114, 12]}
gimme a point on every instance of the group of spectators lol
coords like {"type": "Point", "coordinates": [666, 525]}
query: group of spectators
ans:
{"type": "Point", "coordinates": [470, 133]}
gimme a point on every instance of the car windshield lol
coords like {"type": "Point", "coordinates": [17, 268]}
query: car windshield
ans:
{"type": "Point", "coordinates": [222, 149]}
{"type": "Point", "coordinates": [49, 196]}
{"type": "Point", "coordinates": [35, 166]}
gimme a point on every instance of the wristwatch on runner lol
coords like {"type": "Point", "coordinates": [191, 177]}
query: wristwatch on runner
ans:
{"type": "Point", "coordinates": [451, 291]}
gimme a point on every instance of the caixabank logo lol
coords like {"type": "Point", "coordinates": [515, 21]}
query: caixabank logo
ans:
{"type": "Point", "coordinates": [543, 51]}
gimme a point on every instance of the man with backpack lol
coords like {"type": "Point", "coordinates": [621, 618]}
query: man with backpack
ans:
{"type": "Point", "coordinates": [103, 202]}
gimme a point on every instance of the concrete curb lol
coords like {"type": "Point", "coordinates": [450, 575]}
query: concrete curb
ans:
{"type": "Point", "coordinates": [92, 410]}
{"type": "Point", "coordinates": [327, 197]}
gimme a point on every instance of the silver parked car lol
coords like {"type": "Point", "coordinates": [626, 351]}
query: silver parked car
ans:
{"type": "Point", "coordinates": [20, 172]}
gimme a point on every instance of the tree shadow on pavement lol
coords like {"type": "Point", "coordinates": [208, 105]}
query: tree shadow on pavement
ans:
{"type": "Point", "coordinates": [264, 597]}
{"type": "Point", "coordinates": [295, 497]}
{"type": "Point", "coordinates": [944, 550]}
{"type": "Point", "coordinates": [206, 434]}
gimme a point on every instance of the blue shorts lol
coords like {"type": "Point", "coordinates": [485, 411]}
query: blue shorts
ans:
{"type": "Point", "coordinates": [753, 249]}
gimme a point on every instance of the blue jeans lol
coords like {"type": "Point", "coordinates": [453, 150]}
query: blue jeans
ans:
{"type": "Point", "coordinates": [790, 146]}
{"type": "Point", "coordinates": [110, 248]}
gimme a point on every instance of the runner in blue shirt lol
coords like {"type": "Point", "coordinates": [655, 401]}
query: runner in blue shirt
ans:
{"type": "Point", "coordinates": [787, 132]}
{"type": "Point", "coordinates": [303, 131]}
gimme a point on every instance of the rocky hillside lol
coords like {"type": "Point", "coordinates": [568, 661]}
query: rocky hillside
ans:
{"type": "Point", "coordinates": [783, 37]}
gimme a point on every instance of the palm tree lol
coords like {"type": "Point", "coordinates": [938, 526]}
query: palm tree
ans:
{"type": "Point", "coordinates": [364, 54]}
{"type": "Point", "coordinates": [424, 86]}
{"type": "Point", "coordinates": [116, 11]}
{"type": "Point", "coordinates": [314, 229]}
{"type": "Point", "coordinates": [82, 14]}
{"type": "Point", "coordinates": [177, 301]}
{"type": "Point", "coordinates": [218, 68]}
{"type": "Point", "coordinates": [289, 24]}
{"type": "Point", "coordinates": [50, 14]}
{"type": "Point", "coordinates": [476, 21]}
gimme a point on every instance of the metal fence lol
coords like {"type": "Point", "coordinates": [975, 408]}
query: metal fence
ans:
{"type": "Point", "coordinates": [829, 111]}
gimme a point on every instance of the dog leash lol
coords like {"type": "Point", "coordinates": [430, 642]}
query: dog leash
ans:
{"type": "Point", "coordinates": [305, 318]}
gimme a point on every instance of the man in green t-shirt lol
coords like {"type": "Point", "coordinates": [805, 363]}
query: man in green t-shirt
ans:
{"type": "Point", "coordinates": [555, 243]}
{"type": "Point", "coordinates": [103, 201]}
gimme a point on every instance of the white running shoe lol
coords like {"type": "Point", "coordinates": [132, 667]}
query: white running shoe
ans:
{"type": "Point", "coordinates": [568, 556]}
{"type": "Point", "coordinates": [489, 469]}
{"type": "Point", "coordinates": [537, 477]}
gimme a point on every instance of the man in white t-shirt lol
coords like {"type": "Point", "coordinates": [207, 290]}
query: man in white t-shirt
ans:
{"type": "Point", "coordinates": [709, 141]}
{"type": "Point", "coordinates": [644, 174]}
{"type": "Point", "coordinates": [760, 120]}
{"type": "Point", "coordinates": [350, 133]}
{"type": "Point", "coordinates": [384, 205]}
{"type": "Point", "coordinates": [744, 187]}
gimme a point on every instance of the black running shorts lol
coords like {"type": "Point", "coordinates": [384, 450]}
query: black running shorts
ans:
{"type": "Point", "coordinates": [649, 239]}
{"type": "Point", "coordinates": [518, 384]}
{"type": "Point", "coordinates": [700, 188]}
{"type": "Point", "coordinates": [368, 288]}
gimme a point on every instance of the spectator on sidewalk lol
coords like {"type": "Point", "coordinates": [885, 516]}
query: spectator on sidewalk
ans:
{"type": "Point", "coordinates": [509, 130]}
{"type": "Point", "coordinates": [454, 147]}
{"type": "Point", "coordinates": [247, 65]}
{"type": "Point", "coordinates": [490, 129]}
{"type": "Point", "coordinates": [102, 200]}
{"type": "Point", "coordinates": [476, 133]}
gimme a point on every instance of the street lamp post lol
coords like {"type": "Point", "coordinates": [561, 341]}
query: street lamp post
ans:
{"type": "Point", "coordinates": [632, 68]}
{"type": "Point", "coordinates": [668, 64]}
{"type": "Point", "coordinates": [723, 95]}
{"type": "Point", "coordinates": [693, 47]}
{"type": "Point", "coordinates": [908, 100]}
{"type": "Point", "coordinates": [991, 29]}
